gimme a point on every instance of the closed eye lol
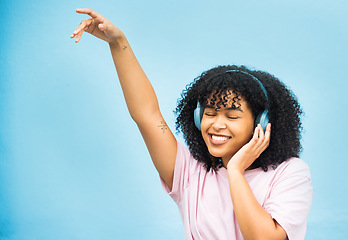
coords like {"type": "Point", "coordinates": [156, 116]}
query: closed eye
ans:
{"type": "Point", "coordinates": [233, 117]}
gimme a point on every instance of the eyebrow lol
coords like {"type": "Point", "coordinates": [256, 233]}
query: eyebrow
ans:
{"type": "Point", "coordinates": [230, 108]}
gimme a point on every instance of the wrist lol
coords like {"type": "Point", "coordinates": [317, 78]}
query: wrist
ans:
{"type": "Point", "coordinates": [235, 177]}
{"type": "Point", "coordinates": [233, 170]}
{"type": "Point", "coordinates": [119, 42]}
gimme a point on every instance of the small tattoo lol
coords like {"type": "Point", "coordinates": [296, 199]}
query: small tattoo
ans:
{"type": "Point", "coordinates": [163, 126]}
{"type": "Point", "coordinates": [124, 47]}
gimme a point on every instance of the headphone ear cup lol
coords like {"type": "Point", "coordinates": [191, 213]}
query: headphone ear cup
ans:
{"type": "Point", "coordinates": [263, 119]}
{"type": "Point", "coordinates": [197, 116]}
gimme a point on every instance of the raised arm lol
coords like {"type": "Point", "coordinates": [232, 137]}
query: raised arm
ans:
{"type": "Point", "coordinates": [138, 92]}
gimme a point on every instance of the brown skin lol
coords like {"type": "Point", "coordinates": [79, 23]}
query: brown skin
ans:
{"type": "Point", "coordinates": [142, 105]}
{"type": "Point", "coordinates": [226, 130]}
{"type": "Point", "coordinates": [254, 221]}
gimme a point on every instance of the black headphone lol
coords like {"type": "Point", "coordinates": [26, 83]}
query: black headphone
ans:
{"type": "Point", "coordinates": [262, 118]}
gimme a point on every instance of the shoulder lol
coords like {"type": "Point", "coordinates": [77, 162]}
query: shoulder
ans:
{"type": "Point", "coordinates": [290, 197]}
{"type": "Point", "coordinates": [292, 179]}
{"type": "Point", "coordinates": [294, 167]}
{"type": "Point", "coordinates": [185, 167]}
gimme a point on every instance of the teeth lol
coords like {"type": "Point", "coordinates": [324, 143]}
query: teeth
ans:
{"type": "Point", "coordinates": [219, 138]}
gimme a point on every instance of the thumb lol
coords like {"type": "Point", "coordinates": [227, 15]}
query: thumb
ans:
{"type": "Point", "coordinates": [102, 27]}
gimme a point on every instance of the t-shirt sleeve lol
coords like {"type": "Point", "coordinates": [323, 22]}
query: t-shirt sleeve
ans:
{"type": "Point", "coordinates": [290, 198]}
{"type": "Point", "coordinates": [181, 173]}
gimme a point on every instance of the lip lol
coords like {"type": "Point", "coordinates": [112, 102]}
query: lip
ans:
{"type": "Point", "coordinates": [218, 142]}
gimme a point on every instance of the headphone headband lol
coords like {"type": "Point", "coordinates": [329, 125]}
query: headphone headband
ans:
{"type": "Point", "coordinates": [262, 118]}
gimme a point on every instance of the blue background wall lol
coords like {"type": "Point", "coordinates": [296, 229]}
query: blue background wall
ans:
{"type": "Point", "coordinates": [72, 163]}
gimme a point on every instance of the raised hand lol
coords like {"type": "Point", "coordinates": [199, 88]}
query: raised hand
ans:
{"type": "Point", "coordinates": [97, 25]}
{"type": "Point", "coordinates": [252, 150]}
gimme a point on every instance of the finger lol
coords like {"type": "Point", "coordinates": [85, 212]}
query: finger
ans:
{"type": "Point", "coordinates": [261, 137]}
{"type": "Point", "coordinates": [78, 36]}
{"type": "Point", "coordinates": [268, 134]}
{"type": "Point", "coordinates": [255, 137]}
{"type": "Point", "coordinates": [85, 24]}
{"type": "Point", "coordinates": [268, 131]}
{"type": "Point", "coordinates": [75, 32]}
{"type": "Point", "coordinates": [102, 27]}
{"type": "Point", "coordinates": [91, 13]}
{"type": "Point", "coordinates": [80, 29]}
{"type": "Point", "coordinates": [267, 137]}
{"type": "Point", "coordinates": [262, 133]}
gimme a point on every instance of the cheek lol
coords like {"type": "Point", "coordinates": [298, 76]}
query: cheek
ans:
{"type": "Point", "coordinates": [245, 130]}
{"type": "Point", "coordinates": [205, 123]}
{"type": "Point", "coordinates": [249, 124]}
{"type": "Point", "coordinates": [250, 128]}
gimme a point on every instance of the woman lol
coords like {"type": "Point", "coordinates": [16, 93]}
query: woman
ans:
{"type": "Point", "coordinates": [234, 181]}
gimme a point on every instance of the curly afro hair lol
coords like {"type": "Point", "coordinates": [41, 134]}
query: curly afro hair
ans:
{"type": "Point", "coordinates": [284, 112]}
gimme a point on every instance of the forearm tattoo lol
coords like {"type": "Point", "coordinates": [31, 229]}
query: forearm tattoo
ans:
{"type": "Point", "coordinates": [124, 47]}
{"type": "Point", "coordinates": [163, 126]}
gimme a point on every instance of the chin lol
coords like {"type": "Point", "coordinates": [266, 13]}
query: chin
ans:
{"type": "Point", "coordinates": [220, 155]}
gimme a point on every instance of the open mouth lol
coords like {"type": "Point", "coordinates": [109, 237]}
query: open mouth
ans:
{"type": "Point", "coordinates": [218, 139]}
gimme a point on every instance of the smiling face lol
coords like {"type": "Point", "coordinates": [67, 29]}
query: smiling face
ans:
{"type": "Point", "coordinates": [225, 129]}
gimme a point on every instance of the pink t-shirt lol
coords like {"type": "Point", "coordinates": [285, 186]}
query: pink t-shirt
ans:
{"type": "Point", "coordinates": [206, 207]}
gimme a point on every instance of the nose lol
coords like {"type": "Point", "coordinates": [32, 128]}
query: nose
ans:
{"type": "Point", "coordinates": [219, 123]}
